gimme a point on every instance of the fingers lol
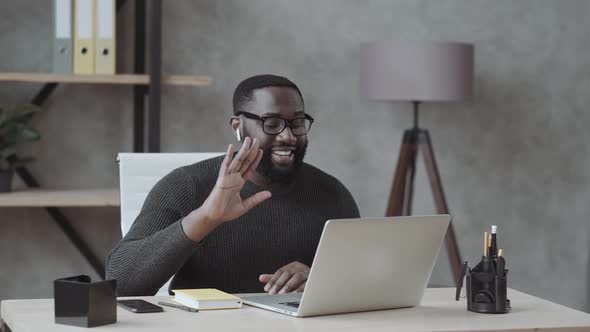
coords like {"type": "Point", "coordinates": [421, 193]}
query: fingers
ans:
{"type": "Point", "coordinates": [269, 285]}
{"type": "Point", "coordinates": [301, 287]}
{"type": "Point", "coordinates": [294, 283]}
{"type": "Point", "coordinates": [227, 159]}
{"type": "Point", "coordinates": [256, 199]}
{"type": "Point", "coordinates": [265, 278]}
{"type": "Point", "coordinates": [250, 157]}
{"type": "Point", "coordinates": [245, 158]}
{"type": "Point", "coordinates": [280, 282]}
{"type": "Point", "coordinates": [255, 163]}
{"type": "Point", "coordinates": [238, 160]}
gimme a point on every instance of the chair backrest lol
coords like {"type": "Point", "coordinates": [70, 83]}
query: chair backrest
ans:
{"type": "Point", "coordinates": [139, 172]}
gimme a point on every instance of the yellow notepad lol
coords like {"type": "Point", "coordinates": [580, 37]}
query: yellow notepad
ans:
{"type": "Point", "coordinates": [206, 299]}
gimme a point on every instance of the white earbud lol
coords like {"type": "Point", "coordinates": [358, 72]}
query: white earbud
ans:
{"type": "Point", "coordinates": [238, 136]}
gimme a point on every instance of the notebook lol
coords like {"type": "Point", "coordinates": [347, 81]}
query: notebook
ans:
{"type": "Point", "coordinates": [206, 299]}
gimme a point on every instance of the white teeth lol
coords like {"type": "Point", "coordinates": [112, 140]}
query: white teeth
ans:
{"type": "Point", "coordinates": [282, 153]}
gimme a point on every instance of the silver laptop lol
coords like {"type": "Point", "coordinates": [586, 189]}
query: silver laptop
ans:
{"type": "Point", "coordinates": [365, 264]}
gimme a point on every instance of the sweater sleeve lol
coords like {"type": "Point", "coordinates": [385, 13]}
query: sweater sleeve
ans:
{"type": "Point", "coordinates": [348, 207]}
{"type": "Point", "coordinates": [155, 247]}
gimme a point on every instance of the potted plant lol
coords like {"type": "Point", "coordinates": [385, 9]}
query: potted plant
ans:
{"type": "Point", "coordinates": [14, 130]}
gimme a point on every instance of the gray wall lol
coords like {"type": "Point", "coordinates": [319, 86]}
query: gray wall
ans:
{"type": "Point", "coordinates": [516, 156]}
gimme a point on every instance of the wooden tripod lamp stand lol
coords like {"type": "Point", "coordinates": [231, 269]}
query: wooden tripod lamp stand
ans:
{"type": "Point", "coordinates": [417, 72]}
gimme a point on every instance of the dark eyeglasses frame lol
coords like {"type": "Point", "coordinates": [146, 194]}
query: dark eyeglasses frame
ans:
{"type": "Point", "coordinates": [287, 123]}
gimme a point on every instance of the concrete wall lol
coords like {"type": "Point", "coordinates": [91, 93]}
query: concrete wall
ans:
{"type": "Point", "coordinates": [517, 156]}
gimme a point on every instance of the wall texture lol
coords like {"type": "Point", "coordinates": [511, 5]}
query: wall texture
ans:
{"type": "Point", "coordinates": [517, 156]}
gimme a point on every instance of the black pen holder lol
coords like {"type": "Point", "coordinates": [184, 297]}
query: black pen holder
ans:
{"type": "Point", "coordinates": [81, 302]}
{"type": "Point", "coordinates": [486, 286]}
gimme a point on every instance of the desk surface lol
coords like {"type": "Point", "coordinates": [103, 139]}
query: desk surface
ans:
{"type": "Point", "coordinates": [438, 312]}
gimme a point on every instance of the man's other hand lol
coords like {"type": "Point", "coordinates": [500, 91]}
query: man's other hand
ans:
{"type": "Point", "coordinates": [289, 278]}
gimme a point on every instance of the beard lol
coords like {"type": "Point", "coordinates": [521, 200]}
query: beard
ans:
{"type": "Point", "coordinates": [277, 174]}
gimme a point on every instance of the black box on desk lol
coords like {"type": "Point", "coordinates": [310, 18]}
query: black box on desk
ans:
{"type": "Point", "coordinates": [81, 302]}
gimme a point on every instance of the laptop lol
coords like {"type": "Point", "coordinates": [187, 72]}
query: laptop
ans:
{"type": "Point", "coordinates": [363, 265]}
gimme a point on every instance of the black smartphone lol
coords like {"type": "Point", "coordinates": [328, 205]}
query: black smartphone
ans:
{"type": "Point", "coordinates": [139, 306]}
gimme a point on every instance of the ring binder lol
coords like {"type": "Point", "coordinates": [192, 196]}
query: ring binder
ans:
{"type": "Point", "coordinates": [62, 36]}
{"type": "Point", "coordinates": [105, 56]}
{"type": "Point", "coordinates": [84, 35]}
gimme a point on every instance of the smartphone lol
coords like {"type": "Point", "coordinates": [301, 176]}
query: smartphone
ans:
{"type": "Point", "coordinates": [139, 306]}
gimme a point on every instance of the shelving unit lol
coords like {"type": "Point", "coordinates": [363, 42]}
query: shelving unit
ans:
{"type": "Point", "coordinates": [61, 198]}
{"type": "Point", "coordinates": [124, 79]}
{"type": "Point", "coordinates": [146, 82]}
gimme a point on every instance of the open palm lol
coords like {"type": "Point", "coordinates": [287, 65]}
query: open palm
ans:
{"type": "Point", "coordinates": [225, 203]}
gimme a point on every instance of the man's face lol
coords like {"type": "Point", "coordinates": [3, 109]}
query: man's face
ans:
{"type": "Point", "coordinates": [284, 152]}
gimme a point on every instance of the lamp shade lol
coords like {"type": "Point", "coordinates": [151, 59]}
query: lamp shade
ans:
{"type": "Point", "coordinates": [416, 71]}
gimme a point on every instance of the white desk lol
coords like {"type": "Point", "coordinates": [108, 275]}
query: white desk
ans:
{"type": "Point", "coordinates": [438, 312]}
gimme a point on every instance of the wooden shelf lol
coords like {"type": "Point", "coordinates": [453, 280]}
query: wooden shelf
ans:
{"type": "Point", "coordinates": [129, 79]}
{"type": "Point", "coordinates": [60, 198]}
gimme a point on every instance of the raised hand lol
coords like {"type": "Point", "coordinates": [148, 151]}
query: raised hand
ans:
{"type": "Point", "coordinates": [225, 203]}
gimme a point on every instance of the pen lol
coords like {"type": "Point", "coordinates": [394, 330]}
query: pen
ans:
{"type": "Point", "coordinates": [494, 244]}
{"type": "Point", "coordinates": [485, 244]}
{"type": "Point", "coordinates": [178, 306]}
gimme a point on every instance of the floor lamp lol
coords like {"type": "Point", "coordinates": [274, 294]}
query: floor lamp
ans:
{"type": "Point", "coordinates": [417, 72]}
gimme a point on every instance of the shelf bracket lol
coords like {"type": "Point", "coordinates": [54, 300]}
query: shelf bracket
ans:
{"type": "Point", "coordinates": [139, 91]}
{"type": "Point", "coordinates": [155, 74]}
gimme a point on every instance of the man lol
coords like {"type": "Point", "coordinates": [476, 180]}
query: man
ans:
{"type": "Point", "coordinates": [245, 222]}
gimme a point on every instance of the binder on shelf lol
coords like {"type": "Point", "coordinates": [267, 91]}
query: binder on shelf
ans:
{"type": "Point", "coordinates": [84, 33]}
{"type": "Point", "coordinates": [62, 36]}
{"type": "Point", "coordinates": [105, 52]}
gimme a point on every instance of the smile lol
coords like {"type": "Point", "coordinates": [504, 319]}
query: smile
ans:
{"type": "Point", "coordinates": [281, 152]}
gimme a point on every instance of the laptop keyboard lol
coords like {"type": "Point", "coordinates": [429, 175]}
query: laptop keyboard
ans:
{"type": "Point", "coordinates": [291, 300]}
{"type": "Point", "coordinates": [294, 304]}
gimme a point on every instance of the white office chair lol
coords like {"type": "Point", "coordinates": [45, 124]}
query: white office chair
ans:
{"type": "Point", "coordinates": [138, 173]}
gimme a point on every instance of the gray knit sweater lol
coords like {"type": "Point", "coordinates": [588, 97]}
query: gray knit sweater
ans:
{"type": "Point", "coordinates": [282, 229]}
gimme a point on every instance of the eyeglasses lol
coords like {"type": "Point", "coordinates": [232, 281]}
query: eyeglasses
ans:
{"type": "Point", "coordinates": [274, 125]}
